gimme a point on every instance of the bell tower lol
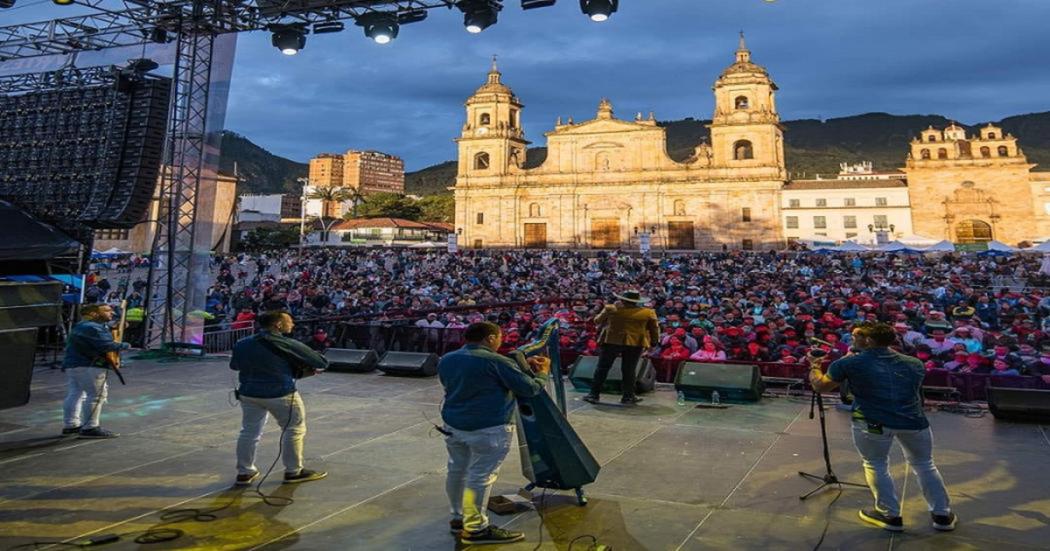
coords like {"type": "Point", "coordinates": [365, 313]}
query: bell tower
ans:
{"type": "Point", "coordinates": [492, 141]}
{"type": "Point", "coordinates": [745, 129]}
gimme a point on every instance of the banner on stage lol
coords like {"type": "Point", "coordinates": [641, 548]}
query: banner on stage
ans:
{"type": "Point", "coordinates": [644, 242]}
{"type": "Point", "coordinates": [453, 246]}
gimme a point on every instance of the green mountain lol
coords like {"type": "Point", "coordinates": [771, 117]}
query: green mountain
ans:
{"type": "Point", "coordinates": [812, 147]}
{"type": "Point", "coordinates": [260, 171]}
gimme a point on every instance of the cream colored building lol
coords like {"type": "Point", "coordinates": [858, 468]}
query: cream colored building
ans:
{"type": "Point", "coordinates": [976, 188]}
{"type": "Point", "coordinates": [861, 205]}
{"type": "Point", "coordinates": [215, 212]}
{"type": "Point", "coordinates": [607, 180]}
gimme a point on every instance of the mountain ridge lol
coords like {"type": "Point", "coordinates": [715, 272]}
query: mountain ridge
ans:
{"type": "Point", "coordinates": [812, 146]}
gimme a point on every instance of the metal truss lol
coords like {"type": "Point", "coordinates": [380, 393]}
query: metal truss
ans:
{"type": "Point", "coordinates": [72, 77]}
{"type": "Point", "coordinates": [175, 290]}
{"type": "Point", "coordinates": [143, 21]}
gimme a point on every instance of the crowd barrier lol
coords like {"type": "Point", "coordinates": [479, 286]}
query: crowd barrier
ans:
{"type": "Point", "coordinates": [223, 341]}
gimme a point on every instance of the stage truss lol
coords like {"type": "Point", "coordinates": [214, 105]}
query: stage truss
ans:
{"type": "Point", "coordinates": [179, 269]}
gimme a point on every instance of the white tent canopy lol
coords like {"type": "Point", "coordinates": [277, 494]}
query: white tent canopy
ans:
{"type": "Point", "coordinates": [1043, 247]}
{"type": "Point", "coordinates": [940, 247]}
{"type": "Point", "coordinates": [897, 246]}
{"type": "Point", "coordinates": [850, 247]}
{"type": "Point", "coordinates": [917, 241]}
{"type": "Point", "coordinates": [115, 250]}
{"type": "Point", "coordinates": [1001, 247]}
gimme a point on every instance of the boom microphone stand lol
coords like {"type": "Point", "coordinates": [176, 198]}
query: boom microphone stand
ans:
{"type": "Point", "coordinates": [829, 478]}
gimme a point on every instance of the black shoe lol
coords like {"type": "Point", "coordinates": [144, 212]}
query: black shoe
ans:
{"type": "Point", "coordinates": [246, 479]}
{"type": "Point", "coordinates": [630, 400]}
{"type": "Point", "coordinates": [304, 475]}
{"type": "Point", "coordinates": [491, 534]}
{"type": "Point", "coordinates": [455, 526]}
{"type": "Point", "coordinates": [944, 523]}
{"type": "Point", "coordinates": [893, 524]}
{"type": "Point", "coordinates": [97, 433]}
{"type": "Point", "coordinates": [592, 398]}
{"type": "Point", "coordinates": [66, 431]}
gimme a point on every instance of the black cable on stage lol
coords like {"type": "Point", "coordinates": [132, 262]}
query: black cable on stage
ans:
{"type": "Point", "coordinates": [539, 511]}
{"type": "Point", "coordinates": [827, 521]}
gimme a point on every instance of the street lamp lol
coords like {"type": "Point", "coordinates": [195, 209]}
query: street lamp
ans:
{"type": "Point", "coordinates": [302, 212]}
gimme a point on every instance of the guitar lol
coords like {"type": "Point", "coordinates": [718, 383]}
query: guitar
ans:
{"type": "Point", "coordinates": [112, 358]}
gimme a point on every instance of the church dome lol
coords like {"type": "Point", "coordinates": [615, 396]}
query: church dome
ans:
{"type": "Point", "coordinates": [494, 83]}
{"type": "Point", "coordinates": [744, 68]}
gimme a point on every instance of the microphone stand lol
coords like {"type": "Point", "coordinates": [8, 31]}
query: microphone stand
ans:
{"type": "Point", "coordinates": [829, 478]}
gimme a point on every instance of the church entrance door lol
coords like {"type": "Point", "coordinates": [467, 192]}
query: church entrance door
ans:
{"type": "Point", "coordinates": [605, 233]}
{"type": "Point", "coordinates": [535, 235]}
{"type": "Point", "coordinates": [680, 235]}
{"type": "Point", "coordinates": [973, 231]}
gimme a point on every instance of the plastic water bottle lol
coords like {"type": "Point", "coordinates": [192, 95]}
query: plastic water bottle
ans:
{"type": "Point", "coordinates": [714, 398]}
{"type": "Point", "coordinates": [681, 398]}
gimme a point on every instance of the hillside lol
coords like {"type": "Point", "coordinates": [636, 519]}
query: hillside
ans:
{"type": "Point", "coordinates": [260, 171]}
{"type": "Point", "coordinates": [812, 147]}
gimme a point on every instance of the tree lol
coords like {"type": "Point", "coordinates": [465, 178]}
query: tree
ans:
{"type": "Point", "coordinates": [271, 238]}
{"type": "Point", "coordinates": [438, 208]}
{"type": "Point", "coordinates": [330, 197]}
{"type": "Point", "coordinates": [389, 205]}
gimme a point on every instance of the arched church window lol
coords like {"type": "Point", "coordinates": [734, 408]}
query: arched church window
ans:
{"type": "Point", "coordinates": [513, 118]}
{"type": "Point", "coordinates": [486, 119]}
{"type": "Point", "coordinates": [942, 153]}
{"type": "Point", "coordinates": [481, 161]}
{"type": "Point", "coordinates": [1003, 151]}
{"type": "Point", "coordinates": [534, 210]}
{"type": "Point", "coordinates": [925, 153]}
{"type": "Point", "coordinates": [986, 152]}
{"type": "Point", "coordinates": [679, 207]}
{"type": "Point", "coordinates": [741, 102]}
{"type": "Point", "coordinates": [743, 150]}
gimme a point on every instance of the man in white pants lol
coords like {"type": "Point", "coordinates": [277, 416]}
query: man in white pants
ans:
{"type": "Point", "coordinates": [266, 363]}
{"type": "Point", "coordinates": [887, 406]}
{"type": "Point", "coordinates": [480, 389]}
{"type": "Point", "coordinates": [86, 372]}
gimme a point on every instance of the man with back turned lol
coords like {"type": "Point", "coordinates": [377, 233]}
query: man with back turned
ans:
{"type": "Point", "coordinates": [628, 331]}
{"type": "Point", "coordinates": [887, 406]}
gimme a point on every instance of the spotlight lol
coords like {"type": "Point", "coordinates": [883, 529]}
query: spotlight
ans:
{"type": "Point", "coordinates": [63, 2]}
{"type": "Point", "coordinates": [478, 15]}
{"type": "Point", "coordinates": [599, 10]}
{"type": "Point", "coordinates": [379, 26]}
{"type": "Point", "coordinates": [288, 38]}
{"type": "Point", "coordinates": [6, 4]}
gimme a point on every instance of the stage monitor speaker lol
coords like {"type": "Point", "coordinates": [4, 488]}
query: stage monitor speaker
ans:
{"type": "Point", "coordinates": [19, 346]}
{"type": "Point", "coordinates": [582, 373]}
{"type": "Point", "coordinates": [734, 383]}
{"type": "Point", "coordinates": [351, 360]}
{"type": "Point", "coordinates": [1019, 404]}
{"type": "Point", "coordinates": [413, 364]}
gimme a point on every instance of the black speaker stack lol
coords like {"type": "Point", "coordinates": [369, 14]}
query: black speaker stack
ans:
{"type": "Point", "coordinates": [1019, 404]}
{"type": "Point", "coordinates": [88, 155]}
{"type": "Point", "coordinates": [733, 382]}
{"type": "Point", "coordinates": [351, 360]}
{"type": "Point", "coordinates": [582, 373]}
{"type": "Point", "coordinates": [409, 364]}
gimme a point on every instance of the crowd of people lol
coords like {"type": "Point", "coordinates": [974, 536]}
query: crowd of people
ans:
{"type": "Point", "coordinates": [964, 313]}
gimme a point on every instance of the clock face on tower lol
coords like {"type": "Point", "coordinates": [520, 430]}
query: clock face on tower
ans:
{"type": "Point", "coordinates": [482, 131]}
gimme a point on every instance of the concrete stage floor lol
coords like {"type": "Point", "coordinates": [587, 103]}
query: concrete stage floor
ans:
{"type": "Point", "coordinates": [672, 477]}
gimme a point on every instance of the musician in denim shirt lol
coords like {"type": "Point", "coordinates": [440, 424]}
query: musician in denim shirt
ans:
{"type": "Point", "coordinates": [887, 405]}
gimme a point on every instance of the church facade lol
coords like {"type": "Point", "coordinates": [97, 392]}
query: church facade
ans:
{"type": "Point", "coordinates": [609, 183]}
{"type": "Point", "coordinates": [606, 181]}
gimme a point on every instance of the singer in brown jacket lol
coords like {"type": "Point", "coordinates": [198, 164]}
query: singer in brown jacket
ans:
{"type": "Point", "coordinates": [627, 331]}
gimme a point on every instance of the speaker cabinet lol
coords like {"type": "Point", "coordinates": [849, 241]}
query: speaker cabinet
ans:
{"type": "Point", "coordinates": [734, 383]}
{"type": "Point", "coordinates": [411, 364]}
{"type": "Point", "coordinates": [582, 374]}
{"type": "Point", "coordinates": [1019, 404]}
{"type": "Point", "coordinates": [351, 360]}
{"type": "Point", "coordinates": [19, 346]}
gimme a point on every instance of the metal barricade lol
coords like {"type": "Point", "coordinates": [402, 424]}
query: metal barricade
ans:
{"type": "Point", "coordinates": [223, 341]}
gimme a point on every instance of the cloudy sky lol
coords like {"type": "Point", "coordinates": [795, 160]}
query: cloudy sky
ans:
{"type": "Point", "coordinates": [972, 60]}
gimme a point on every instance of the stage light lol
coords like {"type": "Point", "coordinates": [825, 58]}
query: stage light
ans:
{"type": "Point", "coordinates": [289, 39]}
{"type": "Point", "coordinates": [599, 10]}
{"type": "Point", "coordinates": [379, 26]}
{"type": "Point", "coordinates": [6, 4]}
{"type": "Point", "coordinates": [63, 2]}
{"type": "Point", "coordinates": [478, 15]}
